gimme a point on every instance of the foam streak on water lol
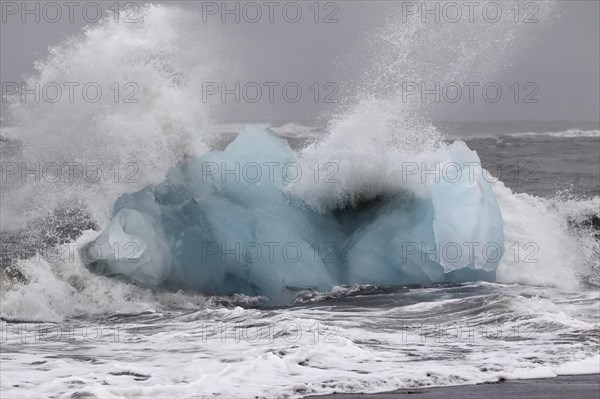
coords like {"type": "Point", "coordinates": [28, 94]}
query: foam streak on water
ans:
{"type": "Point", "coordinates": [371, 341]}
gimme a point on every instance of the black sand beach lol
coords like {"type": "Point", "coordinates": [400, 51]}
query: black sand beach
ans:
{"type": "Point", "coordinates": [572, 386]}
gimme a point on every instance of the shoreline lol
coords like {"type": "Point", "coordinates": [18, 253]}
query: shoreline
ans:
{"type": "Point", "coordinates": [566, 386]}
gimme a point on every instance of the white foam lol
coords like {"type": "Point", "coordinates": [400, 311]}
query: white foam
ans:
{"type": "Point", "coordinates": [296, 352]}
{"type": "Point", "coordinates": [540, 248]}
{"type": "Point", "coordinates": [166, 63]}
{"type": "Point", "coordinates": [571, 133]}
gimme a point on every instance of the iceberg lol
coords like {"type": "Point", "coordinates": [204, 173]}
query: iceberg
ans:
{"type": "Point", "coordinates": [223, 223]}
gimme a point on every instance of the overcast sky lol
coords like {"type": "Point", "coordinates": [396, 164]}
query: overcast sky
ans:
{"type": "Point", "coordinates": [564, 62]}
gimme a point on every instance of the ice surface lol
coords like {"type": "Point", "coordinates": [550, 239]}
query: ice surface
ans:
{"type": "Point", "coordinates": [223, 224]}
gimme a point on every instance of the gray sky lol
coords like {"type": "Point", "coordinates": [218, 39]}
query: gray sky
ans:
{"type": "Point", "coordinates": [564, 61]}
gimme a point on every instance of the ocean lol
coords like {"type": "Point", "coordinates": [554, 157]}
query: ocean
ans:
{"type": "Point", "coordinates": [67, 331]}
{"type": "Point", "coordinates": [79, 329]}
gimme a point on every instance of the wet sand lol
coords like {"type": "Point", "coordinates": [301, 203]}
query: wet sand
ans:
{"type": "Point", "coordinates": [573, 386]}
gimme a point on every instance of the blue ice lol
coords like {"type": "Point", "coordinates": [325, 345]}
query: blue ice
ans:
{"type": "Point", "coordinates": [223, 224]}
